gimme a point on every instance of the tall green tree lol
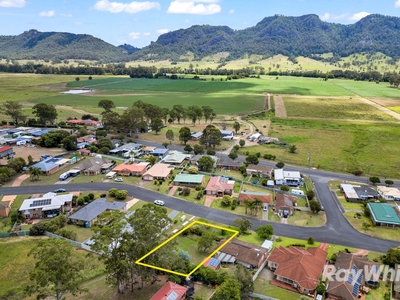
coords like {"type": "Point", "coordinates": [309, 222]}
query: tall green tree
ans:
{"type": "Point", "coordinates": [265, 231]}
{"type": "Point", "coordinates": [211, 136]}
{"type": "Point", "coordinates": [107, 105]}
{"type": "Point", "coordinates": [229, 289]}
{"type": "Point", "coordinates": [315, 206]}
{"type": "Point", "coordinates": [205, 241]}
{"type": "Point", "coordinates": [245, 280]}
{"type": "Point", "coordinates": [57, 270]}
{"type": "Point", "coordinates": [111, 120]}
{"type": "Point", "coordinates": [45, 113]}
{"type": "Point", "coordinates": [206, 163]}
{"type": "Point", "coordinates": [170, 135]}
{"type": "Point", "coordinates": [185, 134]}
{"type": "Point", "coordinates": [131, 120]}
{"type": "Point", "coordinates": [13, 109]}
{"type": "Point", "coordinates": [236, 126]}
{"type": "Point", "coordinates": [207, 113]}
{"type": "Point", "coordinates": [157, 125]}
{"type": "Point", "coordinates": [243, 224]}
{"type": "Point", "coordinates": [178, 111]}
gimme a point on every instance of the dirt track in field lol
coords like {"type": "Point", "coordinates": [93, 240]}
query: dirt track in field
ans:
{"type": "Point", "coordinates": [280, 110]}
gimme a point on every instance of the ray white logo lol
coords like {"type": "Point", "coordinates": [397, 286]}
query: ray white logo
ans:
{"type": "Point", "coordinates": [368, 274]}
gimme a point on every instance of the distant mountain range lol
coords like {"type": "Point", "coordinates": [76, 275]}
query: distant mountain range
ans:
{"type": "Point", "coordinates": [291, 36]}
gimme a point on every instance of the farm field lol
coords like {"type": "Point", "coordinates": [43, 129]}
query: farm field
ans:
{"type": "Point", "coordinates": [221, 103]}
{"type": "Point", "coordinates": [333, 108]}
{"type": "Point", "coordinates": [336, 146]}
{"type": "Point", "coordinates": [367, 89]}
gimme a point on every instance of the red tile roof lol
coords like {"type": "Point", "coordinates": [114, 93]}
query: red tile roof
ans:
{"type": "Point", "coordinates": [251, 197]}
{"type": "Point", "coordinates": [219, 183]}
{"type": "Point", "coordinates": [300, 265]}
{"type": "Point", "coordinates": [5, 148]}
{"type": "Point", "coordinates": [167, 289]}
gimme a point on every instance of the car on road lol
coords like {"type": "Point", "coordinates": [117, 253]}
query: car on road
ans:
{"type": "Point", "coordinates": [159, 202]}
{"type": "Point", "coordinates": [119, 179]}
{"type": "Point", "coordinates": [60, 190]}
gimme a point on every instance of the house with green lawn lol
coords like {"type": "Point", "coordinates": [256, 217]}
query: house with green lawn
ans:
{"type": "Point", "coordinates": [189, 180]}
{"type": "Point", "coordinates": [383, 214]}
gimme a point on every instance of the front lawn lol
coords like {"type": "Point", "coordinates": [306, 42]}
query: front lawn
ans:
{"type": "Point", "coordinates": [263, 287]}
{"type": "Point", "coordinates": [307, 218]}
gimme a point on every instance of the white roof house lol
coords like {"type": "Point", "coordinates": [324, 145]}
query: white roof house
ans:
{"type": "Point", "coordinates": [388, 193]}
{"type": "Point", "coordinates": [349, 191]}
{"type": "Point", "coordinates": [48, 201]}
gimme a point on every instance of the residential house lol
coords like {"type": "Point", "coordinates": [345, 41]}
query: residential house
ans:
{"type": "Point", "coordinates": [194, 160]}
{"type": "Point", "coordinates": [227, 134]}
{"type": "Point", "coordinates": [95, 165]}
{"type": "Point", "coordinates": [90, 212]}
{"type": "Point", "coordinates": [284, 204]}
{"type": "Point", "coordinates": [175, 158]}
{"type": "Point", "coordinates": [255, 136]}
{"type": "Point", "coordinates": [47, 206]}
{"type": "Point", "coordinates": [259, 170]}
{"type": "Point", "coordinates": [350, 289]}
{"type": "Point", "coordinates": [131, 170]}
{"type": "Point", "coordinates": [358, 193]}
{"type": "Point", "coordinates": [219, 186]}
{"type": "Point", "coordinates": [170, 291]}
{"type": "Point", "coordinates": [148, 150]}
{"type": "Point", "coordinates": [189, 180]}
{"type": "Point", "coordinates": [84, 152]}
{"type": "Point", "coordinates": [159, 152]}
{"type": "Point", "coordinates": [248, 255]}
{"type": "Point", "coordinates": [90, 139]}
{"type": "Point", "coordinates": [212, 263]}
{"type": "Point", "coordinates": [389, 193]}
{"type": "Point", "coordinates": [250, 196]}
{"type": "Point", "coordinates": [228, 164]}
{"type": "Point", "coordinates": [195, 136]}
{"type": "Point", "coordinates": [127, 149]}
{"type": "Point", "coordinates": [158, 171]}
{"type": "Point", "coordinates": [298, 267]}
{"type": "Point", "coordinates": [289, 178]}
{"type": "Point", "coordinates": [47, 166]}
{"type": "Point", "coordinates": [383, 214]}
{"type": "Point", "coordinates": [6, 151]}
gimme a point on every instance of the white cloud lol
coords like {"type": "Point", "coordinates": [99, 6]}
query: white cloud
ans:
{"type": "Point", "coordinates": [328, 16]}
{"type": "Point", "coordinates": [187, 21]}
{"type": "Point", "coordinates": [162, 31]}
{"type": "Point", "coordinates": [191, 7]}
{"type": "Point", "coordinates": [146, 33]}
{"type": "Point", "coordinates": [49, 13]}
{"type": "Point", "coordinates": [397, 3]}
{"type": "Point", "coordinates": [232, 11]}
{"type": "Point", "coordinates": [66, 15]}
{"type": "Point", "coordinates": [359, 16]}
{"type": "Point", "coordinates": [12, 3]}
{"type": "Point", "coordinates": [134, 35]}
{"type": "Point", "coordinates": [131, 8]}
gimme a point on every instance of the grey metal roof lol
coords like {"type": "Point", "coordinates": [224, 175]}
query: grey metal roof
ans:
{"type": "Point", "coordinates": [95, 208]}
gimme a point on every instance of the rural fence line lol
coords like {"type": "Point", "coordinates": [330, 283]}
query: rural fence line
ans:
{"type": "Point", "coordinates": [12, 234]}
{"type": "Point", "coordinates": [75, 243]}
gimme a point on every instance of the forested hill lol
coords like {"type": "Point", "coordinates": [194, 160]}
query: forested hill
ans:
{"type": "Point", "coordinates": [291, 36]}
{"type": "Point", "coordinates": [34, 44]}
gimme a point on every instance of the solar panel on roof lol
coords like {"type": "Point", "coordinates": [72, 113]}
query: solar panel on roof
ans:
{"type": "Point", "coordinates": [40, 202]}
{"type": "Point", "coordinates": [172, 296]}
{"type": "Point", "coordinates": [360, 278]}
{"type": "Point", "coordinates": [213, 262]}
{"type": "Point", "coordinates": [356, 289]}
{"type": "Point", "coordinates": [350, 279]}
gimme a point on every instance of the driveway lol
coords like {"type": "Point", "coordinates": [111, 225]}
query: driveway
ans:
{"type": "Point", "coordinates": [209, 200]}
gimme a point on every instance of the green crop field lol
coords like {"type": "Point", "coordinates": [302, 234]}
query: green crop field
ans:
{"type": "Point", "coordinates": [367, 89]}
{"type": "Point", "coordinates": [221, 103]}
{"type": "Point", "coordinates": [336, 146]}
{"type": "Point", "coordinates": [333, 108]}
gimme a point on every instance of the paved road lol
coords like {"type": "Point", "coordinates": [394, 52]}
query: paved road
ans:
{"type": "Point", "coordinates": [336, 231]}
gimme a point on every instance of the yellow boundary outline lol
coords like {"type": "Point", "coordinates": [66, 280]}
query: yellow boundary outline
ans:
{"type": "Point", "coordinates": [139, 261]}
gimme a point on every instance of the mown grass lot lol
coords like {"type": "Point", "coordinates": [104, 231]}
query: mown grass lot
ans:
{"type": "Point", "coordinates": [309, 219]}
{"type": "Point", "coordinates": [336, 146]}
{"type": "Point", "coordinates": [376, 231]}
{"type": "Point", "coordinates": [333, 108]}
{"type": "Point", "coordinates": [16, 265]}
{"type": "Point", "coordinates": [263, 287]}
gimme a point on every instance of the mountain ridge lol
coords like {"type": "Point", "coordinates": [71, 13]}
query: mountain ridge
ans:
{"type": "Point", "coordinates": [305, 35]}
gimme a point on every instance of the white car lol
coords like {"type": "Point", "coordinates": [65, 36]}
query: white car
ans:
{"type": "Point", "coordinates": [119, 179]}
{"type": "Point", "coordinates": [159, 202]}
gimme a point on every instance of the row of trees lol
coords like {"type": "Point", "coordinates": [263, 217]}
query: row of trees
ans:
{"type": "Point", "coordinates": [45, 113]}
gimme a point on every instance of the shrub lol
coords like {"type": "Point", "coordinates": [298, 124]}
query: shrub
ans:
{"type": "Point", "coordinates": [68, 234]}
{"type": "Point", "coordinates": [226, 201]}
{"type": "Point", "coordinates": [284, 188]}
{"type": "Point", "coordinates": [155, 181]}
{"type": "Point", "coordinates": [196, 230]}
{"type": "Point", "coordinates": [37, 229]}
{"type": "Point", "coordinates": [91, 196]}
{"type": "Point", "coordinates": [186, 191]}
{"type": "Point", "coordinates": [198, 188]}
{"type": "Point", "coordinates": [103, 195]}
{"type": "Point", "coordinates": [199, 195]}
{"type": "Point", "coordinates": [121, 194]}
{"type": "Point", "coordinates": [86, 198]}
{"type": "Point", "coordinates": [310, 240]}
{"type": "Point", "coordinates": [81, 201]}
{"type": "Point", "coordinates": [112, 192]}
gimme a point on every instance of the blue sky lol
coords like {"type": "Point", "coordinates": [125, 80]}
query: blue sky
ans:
{"type": "Point", "coordinates": [139, 22]}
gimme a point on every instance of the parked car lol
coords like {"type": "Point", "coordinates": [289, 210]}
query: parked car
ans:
{"type": "Point", "coordinates": [159, 202]}
{"type": "Point", "coordinates": [60, 190]}
{"type": "Point", "coordinates": [119, 179]}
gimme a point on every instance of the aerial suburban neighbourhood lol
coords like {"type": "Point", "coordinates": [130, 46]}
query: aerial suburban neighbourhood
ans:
{"type": "Point", "coordinates": [233, 160]}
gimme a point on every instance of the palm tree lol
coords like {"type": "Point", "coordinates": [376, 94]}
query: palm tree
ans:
{"type": "Point", "coordinates": [257, 205]}
{"type": "Point", "coordinates": [35, 173]}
